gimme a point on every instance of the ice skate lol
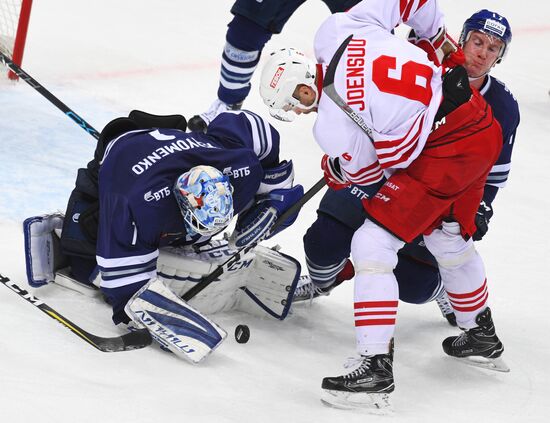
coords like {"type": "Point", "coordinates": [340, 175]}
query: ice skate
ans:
{"type": "Point", "coordinates": [366, 387]}
{"type": "Point", "coordinates": [201, 122]}
{"type": "Point", "coordinates": [478, 346]}
{"type": "Point", "coordinates": [307, 290]}
{"type": "Point", "coordinates": [445, 307]}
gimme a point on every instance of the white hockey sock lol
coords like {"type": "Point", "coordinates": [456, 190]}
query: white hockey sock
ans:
{"type": "Point", "coordinates": [466, 287]}
{"type": "Point", "coordinates": [462, 272]}
{"type": "Point", "coordinates": [375, 311]}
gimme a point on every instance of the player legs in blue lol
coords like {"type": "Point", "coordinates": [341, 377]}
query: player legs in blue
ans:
{"type": "Point", "coordinates": [250, 29]}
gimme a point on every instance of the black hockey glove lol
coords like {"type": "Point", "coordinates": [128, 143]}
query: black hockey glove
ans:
{"type": "Point", "coordinates": [483, 216]}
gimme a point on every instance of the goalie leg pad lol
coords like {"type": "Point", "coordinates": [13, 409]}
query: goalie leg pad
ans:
{"type": "Point", "coordinates": [173, 323]}
{"type": "Point", "coordinates": [42, 248]}
{"type": "Point", "coordinates": [181, 268]}
{"type": "Point", "coordinates": [270, 284]}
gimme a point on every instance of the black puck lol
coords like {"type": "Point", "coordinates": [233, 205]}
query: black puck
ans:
{"type": "Point", "coordinates": [242, 334]}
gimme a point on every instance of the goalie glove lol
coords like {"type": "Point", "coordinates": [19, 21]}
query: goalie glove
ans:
{"type": "Point", "coordinates": [255, 224]}
{"type": "Point", "coordinates": [333, 173]}
{"type": "Point", "coordinates": [442, 50]}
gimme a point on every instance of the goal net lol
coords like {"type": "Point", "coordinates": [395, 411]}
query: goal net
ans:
{"type": "Point", "coordinates": [14, 21]}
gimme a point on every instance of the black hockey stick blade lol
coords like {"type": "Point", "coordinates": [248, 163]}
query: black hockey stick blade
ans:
{"type": "Point", "coordinates": [129, 341]}
{"type": "Point", "coordinates": [48, 95]}
{"type": "Point", "coordinates": [222, 268]}
{"type": "Point", "coordinates": [330, 90]}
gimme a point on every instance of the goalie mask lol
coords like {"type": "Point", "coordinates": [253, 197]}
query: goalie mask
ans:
{"type": "Point", "coordinates": [491, 24]}
{"type": "Point", "coordinates": [204, 196]}
{"type": "Point", "coordinates": [286, 69]}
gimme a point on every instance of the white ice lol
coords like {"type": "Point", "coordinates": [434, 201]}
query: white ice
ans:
{"type": "Point", "coordinates": [104, 58]}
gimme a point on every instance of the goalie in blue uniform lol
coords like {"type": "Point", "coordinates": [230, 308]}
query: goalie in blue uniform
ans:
{"type": "Point", "coordinates": [154, 187]}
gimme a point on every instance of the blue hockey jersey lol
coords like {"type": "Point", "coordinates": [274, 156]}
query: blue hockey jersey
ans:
{"type": "Point", "coordinates": [506, 111]}
{"type": "Point", "coordinates": [138, 212]}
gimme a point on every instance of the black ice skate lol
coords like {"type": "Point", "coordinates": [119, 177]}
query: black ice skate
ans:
{"type": "Point", "coordinates": [200, 122]}
{"type": "Point", "coordinates": [368, 386]}
{"type": "Point", "coordinates": [480, 346]}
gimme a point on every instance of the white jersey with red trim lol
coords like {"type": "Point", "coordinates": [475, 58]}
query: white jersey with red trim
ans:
{"type": "Point", "coordinates": [386, 80]}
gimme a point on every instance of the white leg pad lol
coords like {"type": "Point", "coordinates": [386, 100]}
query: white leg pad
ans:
{"type": "Point", "coordinates": [42, 248]}
{"type": "Point", "coordinates": [173, 323]}
{"type": "Point", "coordinates": [271, 283]}
{"type": "Point", "coordinates": [182, 268]}
{"type": "Point", "coordinates": [262, 281]}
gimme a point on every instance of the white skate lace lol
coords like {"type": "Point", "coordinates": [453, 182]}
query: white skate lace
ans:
{"type": "Point", "coordinates": [361, 363]}
{"type": "Point", "coordinates": [307, 289]}
{"type": "Point", "coordinates": [444, 305]}
{"type": "Point", "coordinates": [461, 339]}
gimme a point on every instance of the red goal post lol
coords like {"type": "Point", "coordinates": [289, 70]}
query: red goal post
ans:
{"type": "Point", "coordinates": [14, 22]}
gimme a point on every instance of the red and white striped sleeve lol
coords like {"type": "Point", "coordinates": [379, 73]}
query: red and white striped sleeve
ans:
{"type": "Point", "coordinates": [399, 152]}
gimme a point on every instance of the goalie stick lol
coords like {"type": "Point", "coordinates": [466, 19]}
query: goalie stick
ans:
{"type": "Point", "coordinates": [222, 268]}
{"type": "Point", "coordinates": [330, 90]}
{"type": "Point", "coordinates": [48, 95]}
{"type": "Point", "coordinates": [129, 341]}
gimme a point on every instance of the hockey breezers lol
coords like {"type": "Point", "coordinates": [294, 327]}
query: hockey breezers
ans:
{"type": "Point", "coordinates": [48, 95]}
{"type": "Point", "coordinates": [129, 341]}
{"type": "Point", "coordinates": [222, 268]}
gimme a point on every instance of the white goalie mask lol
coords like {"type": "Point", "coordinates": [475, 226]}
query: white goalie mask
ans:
{"type": "Point", "coordinates": [283, 72]}
{"type": "Point", "coordinates": [205, 198]}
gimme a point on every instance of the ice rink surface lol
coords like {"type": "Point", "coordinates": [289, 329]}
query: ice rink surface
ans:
{"type": "Point", "coordinates": [105, 58]}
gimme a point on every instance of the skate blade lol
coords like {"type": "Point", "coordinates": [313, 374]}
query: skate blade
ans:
{"type": "Point", "coordinates": [373, 403]}
{"type": "Point", "coordinates": [495, 364]}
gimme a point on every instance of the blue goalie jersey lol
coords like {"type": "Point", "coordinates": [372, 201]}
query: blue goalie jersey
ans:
{"type": "Point", "coordinates": [138, 212]}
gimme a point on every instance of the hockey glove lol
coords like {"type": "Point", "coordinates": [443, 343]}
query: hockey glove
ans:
{"type": "Point", "coordinates": [441, 48]}
{"type": "Point", "coordinates": [277, 177]}
{"type": "Point", "coordinates": [333, 173]}
{"type": "Point", "coordinates": [255, 224]}
{"type": "Point", "coordinates": [483, 216]}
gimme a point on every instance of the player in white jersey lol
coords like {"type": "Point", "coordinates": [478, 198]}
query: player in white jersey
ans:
{"type": "Point", "coordinates": [435, 140]}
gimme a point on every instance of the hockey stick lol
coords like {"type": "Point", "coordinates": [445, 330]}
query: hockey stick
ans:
{"type": "Point", "coordinates": [330, 90]}
{"type": "Point", "coordinates": [222, 268]}
{"type": "Point", "coordinates": [49, 96]}
{"type": "Point", "coordinates": [129, 341]}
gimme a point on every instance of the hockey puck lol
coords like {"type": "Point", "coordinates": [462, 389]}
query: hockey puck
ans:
{"type": "Point", "coordinates": [242, 334]}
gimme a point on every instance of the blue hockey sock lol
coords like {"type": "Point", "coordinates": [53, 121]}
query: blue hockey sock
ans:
{"type": "Point", "coordinates": [241, 54]}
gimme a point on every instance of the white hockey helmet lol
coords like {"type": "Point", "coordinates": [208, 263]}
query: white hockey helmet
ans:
{"type": "Point", "coordinates": [282, 73]}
